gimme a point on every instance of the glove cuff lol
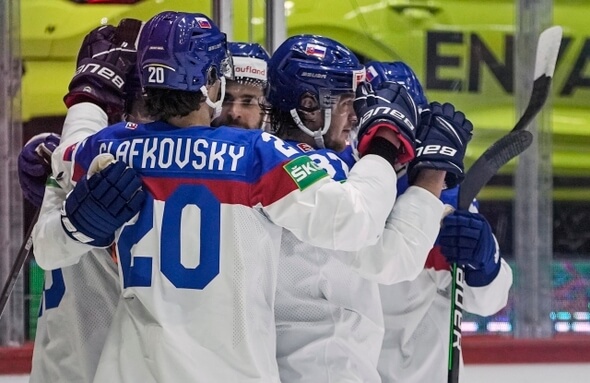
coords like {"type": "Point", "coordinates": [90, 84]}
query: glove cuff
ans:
{"type": "Point", "coordinates": [100, 83]}
{"type": "Point", "coordinates": [405, 152]}
{"type": "Point", "coordinates": [480, 278]}
{"type": "Point", "coordinates": [76, 235]}
{"type": "Point", "coordinates": [382, 147]}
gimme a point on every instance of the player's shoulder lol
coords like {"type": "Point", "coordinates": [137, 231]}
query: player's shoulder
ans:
{"type": "Point", "coordinates": [231, 133]}
{"type": "Point", "coordinates": [348, 155]}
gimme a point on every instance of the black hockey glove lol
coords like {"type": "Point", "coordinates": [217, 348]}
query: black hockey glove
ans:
{"type": "Point", "coordinates": [105, 59]}
{"type": "Point", "coordinates": [441, 141]}
{"type": "Point", "coordinates": [390, 107]}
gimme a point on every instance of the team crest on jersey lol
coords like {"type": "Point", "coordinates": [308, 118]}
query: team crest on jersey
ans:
{"type": "Point", "coordinates": [315, 50]}
{"type": "Point", "coordinates": [203, 23]}
{"type": "Point", "coordinates": [131, 126]}
{"type": "Point", "coordinates": [304, 147]}
{"type": "Point", "coordinates": [304, 171]}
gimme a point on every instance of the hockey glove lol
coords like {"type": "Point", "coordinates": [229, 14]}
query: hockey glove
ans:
{"type": "Point", "coordinates": [101, 204]}
{"type": "Point", "coordinates": [390, 107]}
{"type": "Point", "coordinates": [34, 166]}
{"type": "Point", "coordinates": [441, 141]}
{"type": "Point", "coordinates": [466, 239]}
{"type": "Point", "coordinates": [106, 57]}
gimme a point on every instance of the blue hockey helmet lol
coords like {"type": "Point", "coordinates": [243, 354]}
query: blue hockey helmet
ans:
{"type": "Point", "coordinates": [378, 72]}
{"type": "Point", "coordinates": [311, 65]}
{"type": "Point", "coordinates": [182, 51]}
{"type": "Point", "coordinates": [253, 50]}
{"type": "Point", "coordinates": [250, 63]}
{"type": "Point", "coordinates": [307, 63]}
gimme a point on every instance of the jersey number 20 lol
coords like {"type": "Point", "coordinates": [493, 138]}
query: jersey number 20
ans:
{"type": "Point", "coordinates": [172, 224]}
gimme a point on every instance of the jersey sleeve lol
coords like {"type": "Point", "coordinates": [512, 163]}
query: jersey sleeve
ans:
{"type": "Point", "coordinates": [53, 248]}
{"type": "Point", "coordinates": [410, 232]}
{"type": "Point", "coordinates": [488, 300]}
{"type": "Point", "coordinates": [82, 121]}
{"type": "Point", "coordinates": [300, 196]}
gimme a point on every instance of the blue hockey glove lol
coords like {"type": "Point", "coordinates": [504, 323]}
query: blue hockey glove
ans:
{"type": "Point", "coordinates": [34, 166]}
{"type": "Point", "coordinates": [466, 239]}
{"type": "Point", "coordinates": [441, 141]}
{"type": "Point", "coordinates": [390, 106]}
{"type": "Point", "coordinates": [101, 204]}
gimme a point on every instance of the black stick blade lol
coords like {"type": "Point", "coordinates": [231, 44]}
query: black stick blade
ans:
{"type": "Point", "coordinates": [486, 166]}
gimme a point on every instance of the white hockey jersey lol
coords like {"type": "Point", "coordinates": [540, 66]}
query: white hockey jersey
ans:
{"type": "Point", "coordinates": [417, 320]}
{"type": "Point", "coordinates": [198, 265]}
{"type": "Point", "coordinates": [78, 301]}
{"type": "Point", "coordinates": [328, 309]}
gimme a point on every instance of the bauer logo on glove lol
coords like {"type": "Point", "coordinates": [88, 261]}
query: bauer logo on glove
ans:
{"type": "Point", "coordinates": [435, 149]}
{"type": "Point", "coordinates": [102, 71]}
{"type": "Point", "coordinates": [383, 111]}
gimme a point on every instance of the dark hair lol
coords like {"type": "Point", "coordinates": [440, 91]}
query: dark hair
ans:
{"type": "Point", "coordinates": [162, 104]}
{"type": "Point", "coordinates": [281, 121]}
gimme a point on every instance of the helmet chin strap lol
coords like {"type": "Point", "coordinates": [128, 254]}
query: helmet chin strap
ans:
{"type": "Point", "coordinates": [217, 104]}
{"type": "Point", "coordinates": [318, 135]}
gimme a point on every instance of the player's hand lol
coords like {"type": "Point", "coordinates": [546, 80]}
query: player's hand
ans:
{"type": "Point", "coordinates": [106, 57]}
{"type": "Point", "coordinates": [390, 107]}
{"type": "Point", "coordinates": [442, 138]}
{"type": "Point", "coordinates": [101, 204]}
{"type": "Point", "coordinates": [466, 239]}
{"type": "Point", "coordinates": [34, 166]}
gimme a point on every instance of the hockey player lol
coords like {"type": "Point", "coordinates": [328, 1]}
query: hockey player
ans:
{"type": "Point", "coordinates": [79, 300]}
{"type": "Point", "coordinates": [244, 94]}
{"type": "Point", "coordinates": [328, 311]}
{"type": "Point", "coordinates": [198, 264]}
{"type": "Point", "coordinates": [417, 313]}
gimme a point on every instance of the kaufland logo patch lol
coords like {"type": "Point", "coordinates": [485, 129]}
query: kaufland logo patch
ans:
{"type": "Point", "coordinates": [203, 23]}
{"type": "Point", "coordinates": [371, 73]}
{"type": "Point", "coordinates": [250, 68]}
{"type": "Point", "coordinates": [315, 50]}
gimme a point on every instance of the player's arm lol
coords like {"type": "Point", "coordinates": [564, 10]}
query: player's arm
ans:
{"type": "Point", "coordinates": [86, 115]}
{"type": "Point", "coordinates": [410, 232]}
{"type": "Point", "coordinates": [350, 215]}
{"type": "Point", "coordinates": [491, 298]}
{"type": "Point", "coordinates": [414, 223]}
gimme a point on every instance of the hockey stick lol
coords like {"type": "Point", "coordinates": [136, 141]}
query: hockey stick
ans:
{"type": "Point", "coordinates": [25, 249]}
{"type": "Point", "coordinates": [488, 164]}
{"type": "Point", "coordinates": [21, 258]}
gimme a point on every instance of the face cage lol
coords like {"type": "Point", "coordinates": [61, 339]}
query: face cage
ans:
{"type": "Point", "coordinates": [330, 104]}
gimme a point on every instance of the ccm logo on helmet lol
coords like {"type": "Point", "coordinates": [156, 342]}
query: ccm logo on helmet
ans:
{"type": "Point", "coordinates": [383, 110]}
{"type": "Point", "coordinates": [102, 72]}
